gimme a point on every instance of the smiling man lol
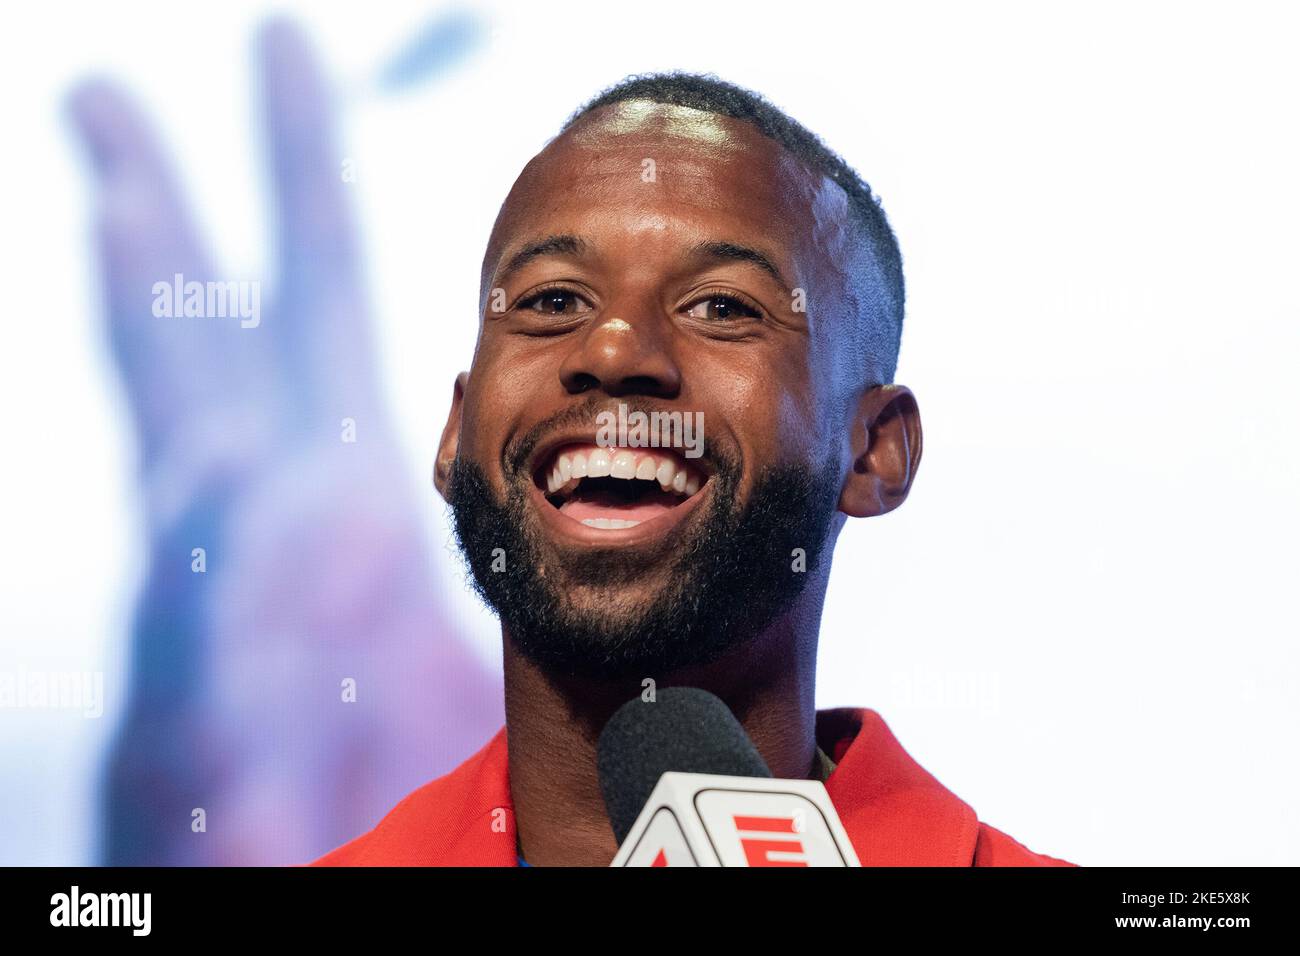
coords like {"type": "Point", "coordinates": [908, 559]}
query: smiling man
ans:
{"type": "Point", "coordinates": [681, 254]}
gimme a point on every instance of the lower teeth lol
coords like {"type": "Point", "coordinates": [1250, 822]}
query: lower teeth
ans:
{"type": "Point", "coordinates": [609, 523]}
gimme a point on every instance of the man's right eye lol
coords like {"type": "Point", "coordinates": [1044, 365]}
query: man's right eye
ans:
{"type": "Point", "coordinates": [556, 302]}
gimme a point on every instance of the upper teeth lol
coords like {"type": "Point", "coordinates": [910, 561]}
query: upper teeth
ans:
{"type": "Point", "coordinates": [574, 464]}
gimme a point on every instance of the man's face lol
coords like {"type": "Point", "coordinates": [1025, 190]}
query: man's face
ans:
{"type": "Point", "coordinates": [670, 261]}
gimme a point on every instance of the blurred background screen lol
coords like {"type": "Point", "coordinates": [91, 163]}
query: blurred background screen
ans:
{"type": "Point", "coordinates": [215, 529]}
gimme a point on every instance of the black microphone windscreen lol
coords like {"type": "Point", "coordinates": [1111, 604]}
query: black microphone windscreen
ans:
{"type": "Point", "coordinates": [684, 729]}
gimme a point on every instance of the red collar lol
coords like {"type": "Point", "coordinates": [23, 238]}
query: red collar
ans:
{"type": "Point", "coordinates": [895, 813]}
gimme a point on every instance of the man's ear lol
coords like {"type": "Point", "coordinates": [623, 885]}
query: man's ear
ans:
{"type": "Point", "coordinates": [886, 447]}
{"type": "Point", "coordinates": [450, 438]}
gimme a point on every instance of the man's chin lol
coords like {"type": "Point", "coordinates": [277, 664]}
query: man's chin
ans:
{"type": "Point", "coordinates": [599, 643]}
{"type": "Point", "coordinates": [620, 607]}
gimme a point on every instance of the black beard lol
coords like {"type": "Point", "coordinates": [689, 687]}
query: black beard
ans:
{"type": "Point", "coordinates": [730, 580]}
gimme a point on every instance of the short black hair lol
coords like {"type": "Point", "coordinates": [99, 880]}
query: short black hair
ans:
{"type": "Point", "coordinates": [704, 91]}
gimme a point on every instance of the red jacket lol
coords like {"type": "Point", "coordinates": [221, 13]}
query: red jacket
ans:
{"type": "Point", "coordinates": [895, 813]}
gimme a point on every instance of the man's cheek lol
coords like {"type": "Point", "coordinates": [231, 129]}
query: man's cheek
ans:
{"type": "Point", "coordinates": [477, 443]}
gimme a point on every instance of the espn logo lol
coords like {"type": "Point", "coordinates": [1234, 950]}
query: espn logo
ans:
{"type": "Point", "coordinates": [761, 845]}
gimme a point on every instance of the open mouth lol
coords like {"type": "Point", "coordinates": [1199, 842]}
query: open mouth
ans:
{"type": "Point", "coordinates": [617, 488]}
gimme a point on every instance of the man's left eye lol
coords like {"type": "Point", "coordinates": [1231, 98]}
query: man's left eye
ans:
{"type": "Point", "coordinates": [721, 308]}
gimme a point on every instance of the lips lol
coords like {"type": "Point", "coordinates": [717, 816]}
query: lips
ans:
{"type": "Point", "coordinates": [615, 489]}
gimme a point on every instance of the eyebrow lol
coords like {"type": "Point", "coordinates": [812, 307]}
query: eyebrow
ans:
{"type": "Point", "coordinates": [734, 252]}
{"type": "Point", "coordinates": [563, 245]}
{"type": "Point", "coordinates": [709, 250]}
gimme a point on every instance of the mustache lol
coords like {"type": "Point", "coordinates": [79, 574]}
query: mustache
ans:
{"type": "Point", "coordinates": [518, 452]}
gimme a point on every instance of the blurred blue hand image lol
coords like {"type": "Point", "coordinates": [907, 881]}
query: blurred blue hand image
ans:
{"type": "Point", "coordinates": [292, 670]}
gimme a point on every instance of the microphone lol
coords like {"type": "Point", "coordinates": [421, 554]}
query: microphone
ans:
{"type": "Point", "coordinates": [685, 786]}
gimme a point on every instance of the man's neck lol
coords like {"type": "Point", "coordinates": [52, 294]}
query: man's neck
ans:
{"type": "Point", "coordinates": [553, 725]}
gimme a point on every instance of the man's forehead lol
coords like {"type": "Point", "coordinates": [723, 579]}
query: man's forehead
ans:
{"type": "Point", "coordinates": [646, 160]}
{"type": "Point", "coordinates": [642, 151]}
{"type": "Point", "coordinates": [634, 121]}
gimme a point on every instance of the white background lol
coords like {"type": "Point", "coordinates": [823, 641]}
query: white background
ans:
{"type": "Point", "coordinates": [1083, 620]}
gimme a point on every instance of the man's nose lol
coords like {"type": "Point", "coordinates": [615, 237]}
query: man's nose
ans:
{"type": "Point", "coordinates": [631, 355]}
